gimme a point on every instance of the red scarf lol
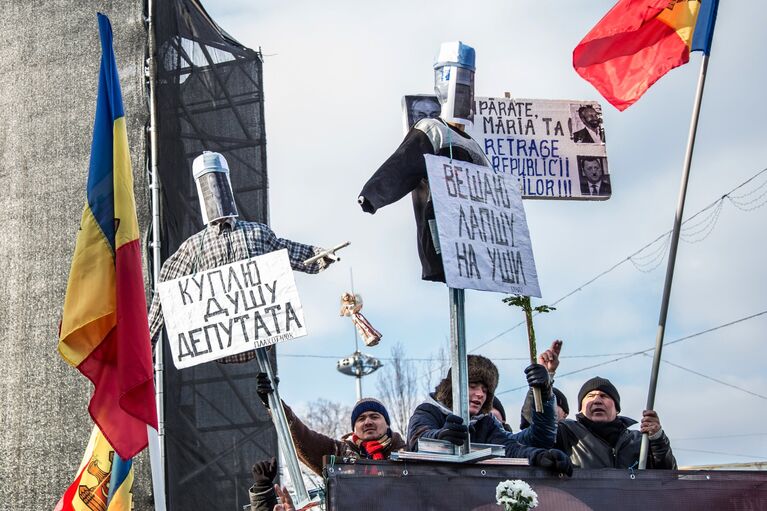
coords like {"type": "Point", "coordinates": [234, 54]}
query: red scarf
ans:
{"type": "Point", "coordinates": [374, 449]}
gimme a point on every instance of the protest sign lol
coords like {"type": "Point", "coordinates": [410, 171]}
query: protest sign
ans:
{"type": "Point", "coordinates": [554, 147]}
{"type": "Point", "coordinates": [483, 235]}
{"type": "Point", "coordinates": [231, 309]}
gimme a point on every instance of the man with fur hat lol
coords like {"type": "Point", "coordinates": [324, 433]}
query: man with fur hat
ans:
{"type": "Point", "coordinates": [434, 417]}
{"type": "Point", "coordinates": [600, 438]}
{"type": "Point", "coordinates": [370, 438]}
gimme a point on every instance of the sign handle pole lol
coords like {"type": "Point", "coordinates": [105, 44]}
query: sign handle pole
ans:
{"type": "Point", "coordinates": [283, 432]}
{"type": "Point", "coordinates": [459, 363]}
{"type": "Point", "coordinates": [645, 446]}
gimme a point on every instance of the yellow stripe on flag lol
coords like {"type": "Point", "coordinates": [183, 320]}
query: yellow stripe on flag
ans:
{"type": "Point", "coordinates": [681, 17]}
{"type": "Point", "coordinates": [90, 303]}
{"type": "Point", "coordinates": [125, 210]}
{"type": "Point", "coordinates": [121, 501]}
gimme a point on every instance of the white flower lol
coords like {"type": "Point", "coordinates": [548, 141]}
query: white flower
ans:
{"type": "Point", "coordinates": [516, 495]}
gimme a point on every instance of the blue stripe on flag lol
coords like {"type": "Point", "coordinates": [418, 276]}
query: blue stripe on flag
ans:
{"type": "Point", "coordinates": [704, 27]}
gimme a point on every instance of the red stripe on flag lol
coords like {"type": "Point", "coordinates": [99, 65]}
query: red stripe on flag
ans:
{"type": "Point", "coordinates": [65, 503]}
{"type": "Point", "coordinates": [628, 51]}
{"type": "Point", "coordinates": [121, 366]}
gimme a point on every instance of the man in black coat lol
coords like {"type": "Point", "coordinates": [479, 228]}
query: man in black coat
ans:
{"type": "Point", "coordinates": [600, 438]}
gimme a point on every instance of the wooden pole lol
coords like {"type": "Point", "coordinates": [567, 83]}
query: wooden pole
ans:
{"type": "Point", "coordinates": [533, 350]}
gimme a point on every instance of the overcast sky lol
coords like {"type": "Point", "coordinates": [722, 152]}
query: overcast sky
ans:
{"type": "Point", "coordinates": [334, 75]}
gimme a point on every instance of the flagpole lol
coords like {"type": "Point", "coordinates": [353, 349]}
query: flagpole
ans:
{"type": "Point", "coordinates": [156, 438]}
{"type": "Point", "coordinates": [672, 256]}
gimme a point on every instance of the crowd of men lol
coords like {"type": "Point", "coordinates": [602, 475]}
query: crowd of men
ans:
{"type": "Point", "coordinates": [598, 437]}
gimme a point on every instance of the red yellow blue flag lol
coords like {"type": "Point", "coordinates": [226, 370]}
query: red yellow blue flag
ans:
{"type": "Point", "coordinates": [638, 41]}
{"type": "Point", "coordinates": [104, 330]}
{"type": "Point", "coordinates": [103, 481]}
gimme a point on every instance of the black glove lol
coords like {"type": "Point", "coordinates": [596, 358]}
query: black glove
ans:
{"type": "Point", "coordinates": [264, 473]}
{"type": "Point", "coordinates": [454, 430]}
{"type": "Point", "coordinates": [553, 460]}
{"type": "Point", "coordinates": [264, 388]}
{"type": "Point", "coordinates": [538, 376]}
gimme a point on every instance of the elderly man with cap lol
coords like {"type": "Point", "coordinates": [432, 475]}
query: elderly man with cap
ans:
{"type": "Point", "coordinates": [600, 438]}
{"type": "Point", "coordinates": [435, 419]}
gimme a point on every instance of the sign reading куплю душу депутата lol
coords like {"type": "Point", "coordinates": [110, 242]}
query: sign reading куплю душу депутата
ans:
{"type": "Point", "coordinates": [231, 309]}
{"type": "Point", "coordinates": [483, 237]}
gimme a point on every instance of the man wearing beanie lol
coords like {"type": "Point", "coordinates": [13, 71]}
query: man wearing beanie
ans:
{"type": "Point", "coordinates": [600, 438]}
{"type": "Point", "coordinates": [370, 436]}
{"type": "Point", "coordinates": [434, 418]}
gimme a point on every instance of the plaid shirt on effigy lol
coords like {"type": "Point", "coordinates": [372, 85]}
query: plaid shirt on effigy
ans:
{"type": "Point", "coordinates": [222, 244]}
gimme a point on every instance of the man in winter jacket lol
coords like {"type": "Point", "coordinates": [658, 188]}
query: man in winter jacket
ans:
{"type": "Point", "coordinates": [600, 438]}
{"type": "Point", "coordinates": [370, 438]}
{"type": "Point", "coordinates": [434, 418]}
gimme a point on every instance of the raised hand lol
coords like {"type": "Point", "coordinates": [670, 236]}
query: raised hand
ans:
{"type": "Point", "coordinates": [550, 358]}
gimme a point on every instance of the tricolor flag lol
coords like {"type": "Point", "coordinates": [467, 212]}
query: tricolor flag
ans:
{"type": "Point", "coordinates": [103, 481]}
{"type": "Point", "coordinates": [104, 331]}
{"type": "Point", "coordinates": [638, 41]}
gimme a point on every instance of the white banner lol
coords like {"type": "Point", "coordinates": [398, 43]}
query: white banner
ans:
{"type": "Point", "coordinates": [556, 148]}
{"type": "Point", "coordinates": [231, 309]}
{"type": "Point", "coordinates": [483, 235]}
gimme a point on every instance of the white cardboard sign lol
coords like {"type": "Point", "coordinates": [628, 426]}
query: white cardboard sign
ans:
{"type": "Point", "coordinates": [483, 235]}
{"type": "Point", "coordinates": [234, 308]}
{"type": "Point", "coordinates": [556, 148]}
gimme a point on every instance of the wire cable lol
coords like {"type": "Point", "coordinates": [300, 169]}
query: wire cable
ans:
{"type": "Point", "coordinates": [642, 352]}
{"type": "Point", "coordinates": [711, 378]}
{"type": "Point", "coordinates": [636, 255]}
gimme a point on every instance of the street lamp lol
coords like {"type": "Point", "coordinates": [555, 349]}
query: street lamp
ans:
{"type": "Point", "coordinates": [358, 365]}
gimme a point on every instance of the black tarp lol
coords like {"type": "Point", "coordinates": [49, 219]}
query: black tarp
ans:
{"type": "Point", "coordinates": [373, 486]}
{"type": "Point", "coordinates": [209, 97]}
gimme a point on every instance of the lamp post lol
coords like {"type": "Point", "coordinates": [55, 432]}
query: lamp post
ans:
{"type": "Point", "coordinates": [358, 365]}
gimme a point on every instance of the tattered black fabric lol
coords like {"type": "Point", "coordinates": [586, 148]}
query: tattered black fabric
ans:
{"type": "Point", "coordinates": [405, 171]}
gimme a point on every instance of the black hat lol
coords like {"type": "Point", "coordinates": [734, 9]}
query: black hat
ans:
{"type": "Point", "coordinates": [498, 406]}
{"type": "Point", "coordinates": [369, 404]}
{"type": "Point", "coordinates": [603, 384]}
{"type": "Point", "coordinates": [561, 400]}
{"type": "Point", "coordinates": [526, 416]}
